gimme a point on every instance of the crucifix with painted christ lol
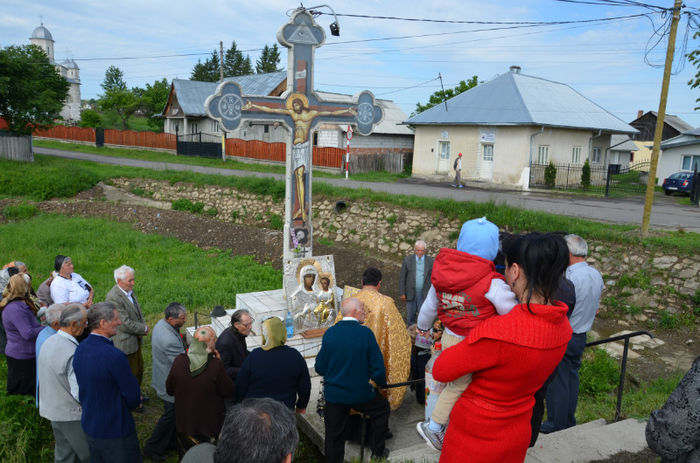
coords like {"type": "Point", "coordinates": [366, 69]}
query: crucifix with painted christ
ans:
{"type": "Point", "coordinates": [300, 111]}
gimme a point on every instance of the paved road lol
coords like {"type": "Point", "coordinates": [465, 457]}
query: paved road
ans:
{"type": "Point", "coordinates": [666, 212]}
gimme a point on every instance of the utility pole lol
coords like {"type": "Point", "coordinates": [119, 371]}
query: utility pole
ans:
{"type": "Point", "coordinates": [221, 60]}
{"type": "Point", "coordinates": [651, 182]}
{"type": "Point", "coordinates": [443, 91]}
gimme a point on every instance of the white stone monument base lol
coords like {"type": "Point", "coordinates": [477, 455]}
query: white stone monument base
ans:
{"type": "Point", "coordinates": [261, 305]}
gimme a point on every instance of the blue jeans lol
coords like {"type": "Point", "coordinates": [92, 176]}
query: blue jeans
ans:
{"type": "Point", "coordinates": [562, 393]}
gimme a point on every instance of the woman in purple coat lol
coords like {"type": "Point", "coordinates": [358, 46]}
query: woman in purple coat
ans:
{"type": "Point", "coordinates": [22, 327]}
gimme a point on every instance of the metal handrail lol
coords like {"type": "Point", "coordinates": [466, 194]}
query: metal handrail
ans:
{"type": "Point", "coordinates": [623, 366]}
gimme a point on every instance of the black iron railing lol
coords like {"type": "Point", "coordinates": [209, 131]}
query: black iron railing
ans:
{"type": "Point", "coordinates": [623, 363]}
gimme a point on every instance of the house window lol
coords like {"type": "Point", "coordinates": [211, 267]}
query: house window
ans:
{"type": "Point", "coordinates": [266, 128]}
{"type": "Point", "coordinates": [576, 155]}
{"type": "Point", "coordinates": [543, 154]}
{"type": "Point", "coordinates": [444, 149]}
{"type": "Point", "coordinates": [315, 138]}
{"type": "Point", "coordinates": [596, 155]}
{"type": "Point", "coordinates": [690, 162]}
{"type": "Point", "coordinates": [488, 152]}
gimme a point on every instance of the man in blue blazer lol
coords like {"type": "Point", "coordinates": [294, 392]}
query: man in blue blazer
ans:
{"type": "Point", "coordinates": [414, 280]}
{"type": "Point", "coordinates": [349, 358]}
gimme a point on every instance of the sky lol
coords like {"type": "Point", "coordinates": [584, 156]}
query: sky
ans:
{"type": "Point", "coordinates": [606, 61]}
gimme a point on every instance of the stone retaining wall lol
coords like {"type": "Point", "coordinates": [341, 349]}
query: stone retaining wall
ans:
{"type": "Point", "coordinates": [640, 282]}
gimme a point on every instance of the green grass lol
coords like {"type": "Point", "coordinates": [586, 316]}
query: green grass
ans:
{"type": "Point", "coordinates": [510, 218]}
{"type": "Point", "coordinates": [166, 269]}
{"type": "Point", "coordinates": [20, 211]}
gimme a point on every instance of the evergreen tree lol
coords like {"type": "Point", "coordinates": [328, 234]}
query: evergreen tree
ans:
{"type": "Point", "coordinates": [268, 61]}
{"type": "Point", "coordinates": [117, 97]}
{"type": "Point", "coordinates": [207, 71]}
{"type": "Point", "coordinates": [235, 64]}
{"type": "Point", "coordinates": [441, 96]}
{"type": "Point", "coordinates": [114, 80]}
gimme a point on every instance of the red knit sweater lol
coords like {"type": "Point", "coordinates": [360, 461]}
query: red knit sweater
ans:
{"type": "Point", "coordinates": [511, 357]}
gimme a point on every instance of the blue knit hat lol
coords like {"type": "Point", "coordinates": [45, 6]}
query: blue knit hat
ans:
{"type": "Point", "coordinates": [480, 238]}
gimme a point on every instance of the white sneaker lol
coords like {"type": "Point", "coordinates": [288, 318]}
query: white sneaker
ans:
{"type": "Point", "coordinates": [433, 439]}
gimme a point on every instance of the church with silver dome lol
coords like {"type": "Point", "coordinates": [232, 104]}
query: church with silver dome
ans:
{"type": "Point", "coordinates": [68, 69]}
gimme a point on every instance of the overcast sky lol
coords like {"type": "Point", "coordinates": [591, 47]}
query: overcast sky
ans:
{"type": "Point", "coordinates": [604, 61]}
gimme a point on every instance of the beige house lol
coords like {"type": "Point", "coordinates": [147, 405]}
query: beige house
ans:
{"type": "Point", "coordinates": [507, 125]}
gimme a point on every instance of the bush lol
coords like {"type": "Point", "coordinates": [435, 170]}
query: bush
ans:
{"type": "Point", "coordinates": [20, 211]}
{"type": "Point", "coordinates": [212, 211]}
{"type": "Point", "coordinates": [550, 175]}
{"type": "Point", "coordinates": [275, 220]}
{"type": "Point", "coordinates": [586, 175]}
{"type": "Point", "coordinates": [90, 118]}
{"type": "Point", "coordinates": [42, 182]}
{"type": "Point", "coordinates": [599, 373]}
{"type": "Point", "coordinates": [187, 205]}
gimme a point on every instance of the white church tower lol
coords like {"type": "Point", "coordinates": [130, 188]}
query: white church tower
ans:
{"type": "Point", "coordinates": [68, 69]}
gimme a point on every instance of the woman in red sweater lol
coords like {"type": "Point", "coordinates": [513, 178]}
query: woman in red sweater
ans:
{"type": "Point", "coordinates": [510, 357]}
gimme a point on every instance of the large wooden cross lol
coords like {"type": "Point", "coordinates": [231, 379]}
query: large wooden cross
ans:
{"type": "Point", "coordinates": [300, 110]}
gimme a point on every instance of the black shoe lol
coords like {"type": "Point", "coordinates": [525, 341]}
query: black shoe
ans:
{"type": "Point", "coordinates": [145, 399]}
{"type": "Point", "coordinates": [381, 456]}
{"type": "Point", "coordinates": [154, 457]}
{"type": "Point", "coordinates": [388, 435]}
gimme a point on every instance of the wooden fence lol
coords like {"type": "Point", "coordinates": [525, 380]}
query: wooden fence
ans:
{"type": "Point", "coordinates": [142, 139]}
{"type": "Point", "coordinates": [236, 147]}
{"type": "Point", "coordinates": [16, 147]}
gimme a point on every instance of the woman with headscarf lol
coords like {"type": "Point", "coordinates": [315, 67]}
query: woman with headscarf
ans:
{"type": "Point", "coordinates": [22, 327]}
{"type": "Point", "coordinates": [69, 286]}
{"type": "Point", "coordinates": [275, 370]}
{"type": "Point", "coordinates": [510, 357]}
{"type": "Point", "coordinates": [200, 384]}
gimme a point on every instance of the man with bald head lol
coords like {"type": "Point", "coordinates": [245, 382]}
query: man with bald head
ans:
{"type": "Point", "coordinates": [348, 359]}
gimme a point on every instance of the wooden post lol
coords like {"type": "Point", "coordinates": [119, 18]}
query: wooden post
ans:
{"type": "Point", "coordinates": [651, 181]}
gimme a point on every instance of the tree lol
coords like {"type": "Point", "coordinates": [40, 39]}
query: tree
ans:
{"type": "Point", "coordinates": [442, 95]}
{"type": "Point", "coordinates": [268, 61]}
{"type": "Point", "coordinates": [153, 99]}
{"type": "Point", "coordinates": [207, 71]}
{"type": "Point", "coordinates": [694, 58]}
{"type": "Point", "coordinates": [31, 91]}
{"type": "Point", "coordinates": [586, 175]}
{"type": "Point", "coordinates": [117, 97]}
{"type": "Point", "coordinates": [90, 118]}
{"type": "Point", "coordinates": [550, 175]}
{"type": "Point", "coordinates": [235, 64]}
{"type": "Point", "coordinates": [114, 80]}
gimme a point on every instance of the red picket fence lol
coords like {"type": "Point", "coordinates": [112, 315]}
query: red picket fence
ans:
{"type": "Point", "coordinates": [67, 133]}
{"type": "Point", "coordinates": [328, 156]}
{"type": "Point", "coordinates": [255, 149]}
{"type": "Point", "coordinates": [143, 139]}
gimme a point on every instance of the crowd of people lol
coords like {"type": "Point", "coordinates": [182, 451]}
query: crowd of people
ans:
{"type": "Point", "coordinates": [512, 313]}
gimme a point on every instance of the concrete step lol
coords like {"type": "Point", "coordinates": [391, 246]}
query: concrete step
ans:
{"type": "Point", "coordinates": [583, 443]}
{"type": "Point", "coordinates": [587, 442]}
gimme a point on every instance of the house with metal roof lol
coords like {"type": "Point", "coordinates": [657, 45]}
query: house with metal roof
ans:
{"type": "Point", "coordinates": [622, 150]}
{"type": "Point", "coordinates": [679, 153]}
{"type": "Point", "coordinates": [504, 126]}
{"type": "Point", "coordinates": [184, 113]}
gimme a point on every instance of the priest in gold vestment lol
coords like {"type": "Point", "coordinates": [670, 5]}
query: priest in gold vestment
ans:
{"type": "Point", "coordinates": [388, 326]}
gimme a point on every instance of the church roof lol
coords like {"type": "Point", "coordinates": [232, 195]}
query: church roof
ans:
{"type": "Point", "coordinates": [70, 64]}
{"type": "Point", "coordinates": [518, 99]}
{"type": "Point", "coordinates": [41, 33]}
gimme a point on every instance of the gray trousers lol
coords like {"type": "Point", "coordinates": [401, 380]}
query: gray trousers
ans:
{"type": "Point", "coordinates": [71, 444]}
{"type": "Point", "coordinates": [458, 177]}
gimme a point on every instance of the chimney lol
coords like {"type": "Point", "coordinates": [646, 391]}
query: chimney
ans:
{"type": "Point", "coordinates": [640, 113]}
{"type": "Point", "coordinates": [515, 69]}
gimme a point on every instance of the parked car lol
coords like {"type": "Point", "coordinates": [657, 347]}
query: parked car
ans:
{"type": "Point", "coordinates": [681, 182]}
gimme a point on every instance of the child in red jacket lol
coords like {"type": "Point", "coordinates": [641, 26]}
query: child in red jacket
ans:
{"type": "Point", "coordinates": [466, 289]}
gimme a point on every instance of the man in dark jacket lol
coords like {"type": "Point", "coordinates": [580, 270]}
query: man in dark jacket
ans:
{"type": "Point", "coordinates": [348, 359]}
{"type": "Point", "coordinates": [414, 280]}
{"type": "Point", "coordinates": [232, 346]}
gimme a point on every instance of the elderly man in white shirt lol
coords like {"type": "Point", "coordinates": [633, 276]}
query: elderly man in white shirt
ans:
{"type": "Point", "coordinates": [58, 387]}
